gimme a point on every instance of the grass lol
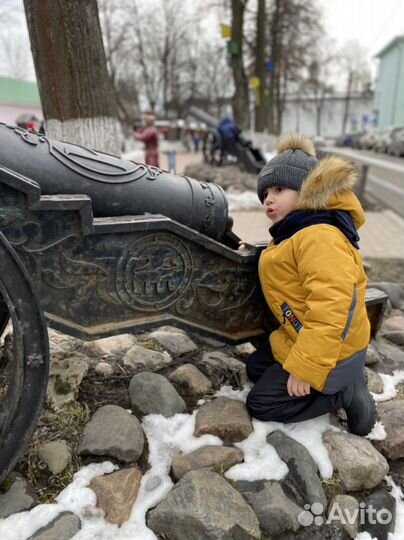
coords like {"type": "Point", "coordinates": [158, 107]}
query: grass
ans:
{"type": "Point", "coordinates": [52, 425]}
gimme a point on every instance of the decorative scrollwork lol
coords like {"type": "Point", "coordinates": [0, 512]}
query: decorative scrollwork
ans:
{"type": "Point", "coordinates": [154, 272]}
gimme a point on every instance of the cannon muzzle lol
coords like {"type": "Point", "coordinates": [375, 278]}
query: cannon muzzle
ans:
{"type": "Point", "coordinates": [116, 187]}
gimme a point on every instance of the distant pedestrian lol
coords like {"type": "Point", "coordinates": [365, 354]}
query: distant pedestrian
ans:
{"type": "Point", "coordinates": [196, 139]}
{"type": "Point", "coordinates": [149, 135]}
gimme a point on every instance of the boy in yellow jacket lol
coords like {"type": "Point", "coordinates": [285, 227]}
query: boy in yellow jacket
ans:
{"type": "Point", "coordinates": [313, 281]}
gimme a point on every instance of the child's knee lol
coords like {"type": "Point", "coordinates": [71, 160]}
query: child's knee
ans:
{"type": "Point", "coordinates": [260, 407]}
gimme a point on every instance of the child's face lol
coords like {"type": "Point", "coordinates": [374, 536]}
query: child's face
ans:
{"type": "Point", "coordinates": [279, 201]}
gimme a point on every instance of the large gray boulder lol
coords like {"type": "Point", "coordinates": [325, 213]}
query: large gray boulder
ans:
{"type": "Point", "coordinates": [65, 526]}
{"type": "Point", "coordinates": [303, 477]}
{"type": "Point", "coordinates": [356, 462]}
{"type": "Point", "coordinates": [204, 506]}
{"type": "Point", "coordinates": [276, 512]}
{"type": "Point", "coordinates": [391, 414]}
{"type": "Point", "coordinates": [113, 432]}
{"type": "Point", "coordinates": [151, 393]}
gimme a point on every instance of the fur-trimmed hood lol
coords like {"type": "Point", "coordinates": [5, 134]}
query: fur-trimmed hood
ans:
{"type": "Point", "coordinates": [329, 186]}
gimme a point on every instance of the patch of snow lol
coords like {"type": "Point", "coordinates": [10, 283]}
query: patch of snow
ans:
{"type": "Point", "coordinates": [378, 432]}
{"type": "Point", "coordinates": [389, 382]}
{"type": "Point", "coordinates": [261, 461]}
{"type": "Point", "coordinates": [242, 200]}
{"type": "Point", "coordinates": [227, 391]}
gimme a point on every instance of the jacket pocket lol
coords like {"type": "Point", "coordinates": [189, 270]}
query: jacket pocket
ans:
{"type": "Point", "coordinates": [350, 314]}
{"type": "Point", "coordinates": [291, 317]}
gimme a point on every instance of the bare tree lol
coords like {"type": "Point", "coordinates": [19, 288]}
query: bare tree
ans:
{"type": "Point", "coordinates": [240, 97]}
{"type": "Point", "coordinates": [260, 68]}
{"type": "Point", "coordinates": [74, 85]}
{"type": "Point", "coordinates": [355, 69]}
{"type": "Point", "coordinates": [297, 40]}
{"type": "Point", "coordinates": [118, 44]}
{"type": "Point", "coordinates": [15, 57]}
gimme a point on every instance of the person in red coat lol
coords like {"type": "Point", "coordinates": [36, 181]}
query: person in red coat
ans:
{"type": "Point", "coordinates": [150, 137]}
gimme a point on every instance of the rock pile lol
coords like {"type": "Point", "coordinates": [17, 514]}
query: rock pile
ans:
{"type": "Point", "coordinates": [168, 372]}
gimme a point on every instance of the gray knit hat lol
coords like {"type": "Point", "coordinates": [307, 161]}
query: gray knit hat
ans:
{"type": "Point", "coordinates": [296, 158]}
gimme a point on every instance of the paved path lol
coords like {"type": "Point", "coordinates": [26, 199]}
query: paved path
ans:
{"type": "Point", "coordinates": [381, 237]}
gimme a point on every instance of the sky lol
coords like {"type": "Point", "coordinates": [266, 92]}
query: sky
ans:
{"type": "Point", "coordinates": [373, 23]}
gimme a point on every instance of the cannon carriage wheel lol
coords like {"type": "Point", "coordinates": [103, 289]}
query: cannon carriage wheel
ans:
{"type": "Point", "coordinates": [23, 377]}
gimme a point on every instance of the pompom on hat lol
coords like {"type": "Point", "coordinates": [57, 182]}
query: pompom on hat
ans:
{"type": "Point", "coordinates": [296, 157]}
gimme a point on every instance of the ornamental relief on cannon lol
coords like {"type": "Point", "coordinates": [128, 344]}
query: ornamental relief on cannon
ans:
{"type": "Point", "coordinates": [154, 272]}
{"type": "Point", "coordinates": [148, 274]}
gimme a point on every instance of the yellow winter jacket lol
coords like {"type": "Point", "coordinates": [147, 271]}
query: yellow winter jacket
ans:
{"type": "Point", "coordinates": [315, 284]}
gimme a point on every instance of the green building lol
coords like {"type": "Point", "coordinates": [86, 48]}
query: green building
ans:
{"type": "Point", "coordinates": [389, 95]}
{"type": "Point", "coordinates": [18, 97]}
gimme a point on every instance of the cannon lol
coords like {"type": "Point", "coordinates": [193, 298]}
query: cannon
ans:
{"type": "Point", "coordinates": [93, 246]}
{"type": "Point", "coordinates": [218, 145]}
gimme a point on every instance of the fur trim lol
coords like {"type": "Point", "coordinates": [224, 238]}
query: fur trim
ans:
{"type": "Point", "coordinates": [331, 176]}
{"type": "Point", "coordinates": [295, 141]}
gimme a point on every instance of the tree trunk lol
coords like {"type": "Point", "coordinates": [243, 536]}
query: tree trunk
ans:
{"type": "Point", "coordinates": [274, 74]}
{"type": "Point", "coordinates": [260, 70]}
{"type": "Point", "coordinates": [77, 97]}
{"type": "Point", "coordinates": [240, 98]}
{"type": "Point", "coordinates": [347, 100]}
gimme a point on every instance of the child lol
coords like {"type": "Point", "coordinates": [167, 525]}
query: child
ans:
{"type": "Point", "coordinates": [313, 280]}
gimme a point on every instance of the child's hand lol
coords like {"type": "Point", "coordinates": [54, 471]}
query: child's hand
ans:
{"type": "Point", "coordinates": [244, 246]}
{"type": "Point", "coordinates": [297, 387]}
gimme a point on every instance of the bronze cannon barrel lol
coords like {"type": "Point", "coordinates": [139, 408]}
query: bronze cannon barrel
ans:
{"type": "Point", "coordinates": [117, 187]}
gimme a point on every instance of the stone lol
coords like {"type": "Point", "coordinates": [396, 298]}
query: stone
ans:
{"type": "Point", "coordinates": [115, 346]}
{"type": "Point", "coordinates": [175, 342]}
{"type": "Point", "coordinates": [62, 341]}
{"type": "Point", "coordinates": [212, 342]}
{"type": "Point", "coordinates": [227, 418]}
{"type": "Point", "coordinates": [65, 376]}
{"type": "Point", "coordinates": [116, 493]}
{"type": "Point", "coordinates": [302, 480]}
{"type": "Point", "coordinates": [396, 336]}
{"type": "Point", "coordinates": [356, 462]}
{"type": "Point", "coordinates": [391, 357]}
{"type": "Point", "coordinates": [140, 357]}
{"type": "Point", "coordinates": [64, 527]}
{"type": "Point", "coordinates": [375, 383]}
{"type": "Point", "coordinates": [56, 455]}
{"type": "Point", "coordinates": [204, 506]}
{"type": "Point", "coordinates": [19, 497]}
{"type": "Point", "coordinates": [276, 512]}
{"type": "Point", "coordinates": [394, 291]}
{"type": "Point", "coordinates": [223, 369]}
{"type": "Point", "coordinates": [191, 379]}
{"type": "Point", "coordinates": [391, 414]}
{"type": "Point", "coordinates": [245, 349]}
{"type": "Point", "coordinates": [151, 393]}
{"type": "Point", "coordinates": [372, 356]}
{"type": "Point", "coordinates": [394, 324]}
{"type": "Point", "coordinates": [219, 458]}
{"type": "Point", "coordinates": [113, 432]}
{"type": "Point", "coordinates": [380, 515]}
{"type": "Point", "coordinates": [348, 507]}
{"type": "Point", "coordinates": [316, 532]}
{"type": "Point", "coordinates": [104, 369]}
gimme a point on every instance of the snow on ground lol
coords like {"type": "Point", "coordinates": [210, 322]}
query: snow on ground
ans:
{"type": "Point", "coordinates": [166, 437]}
{"type": "Point", "coordinates": [389, 382]}
{"type": "Point", "coordinates": [378, 432]}
{"type": "Point", "coordinates": [242, 200]}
